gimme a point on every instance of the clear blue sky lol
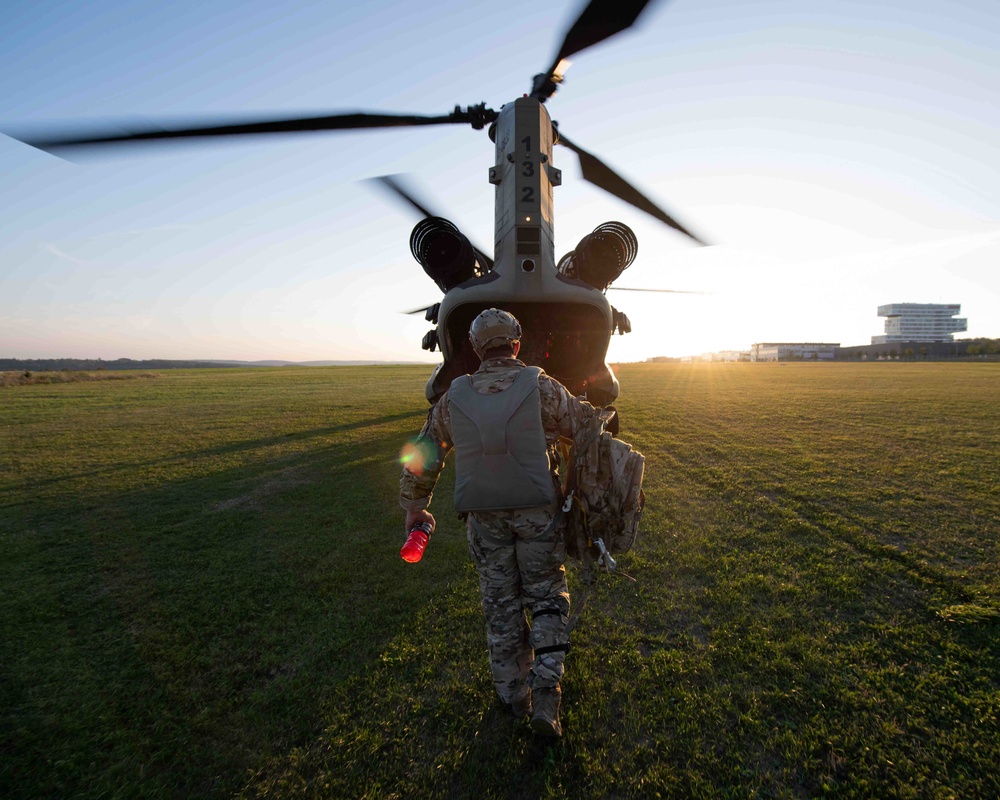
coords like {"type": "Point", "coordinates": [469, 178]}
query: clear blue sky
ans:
{"type": "Point", "coordinates": [842, 155]}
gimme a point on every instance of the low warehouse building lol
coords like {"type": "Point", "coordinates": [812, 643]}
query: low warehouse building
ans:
{"type": "Point", "coordinates": [793, 351]}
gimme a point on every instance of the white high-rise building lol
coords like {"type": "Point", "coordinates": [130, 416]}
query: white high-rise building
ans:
{"type": "Point", "coordinates": [920, 322]}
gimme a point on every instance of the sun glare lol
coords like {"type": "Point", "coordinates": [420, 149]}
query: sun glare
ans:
{"type": "Point", "coordinates": [415, 455]}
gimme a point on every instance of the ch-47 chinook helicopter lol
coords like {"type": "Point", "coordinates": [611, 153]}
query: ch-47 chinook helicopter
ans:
{"type": "Point", "coordinates": [562, 306]}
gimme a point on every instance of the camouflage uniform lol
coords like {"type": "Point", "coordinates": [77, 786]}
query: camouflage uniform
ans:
{"type": "Point", "coordinates": [518, 554]}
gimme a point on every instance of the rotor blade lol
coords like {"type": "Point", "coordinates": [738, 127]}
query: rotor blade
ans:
{"type": "Point", "coordinates": [423, 310]}
{"type": "Point", "coordinates": [331, 122]}
{"type": "Point", "coordinates": [395, 185]}
{"type": "Point", "coordinates": [600, 174]}
{"type": "Point", "coordinates": [600, 20]}
{"type": "Point", "coordinates": [667, 291]}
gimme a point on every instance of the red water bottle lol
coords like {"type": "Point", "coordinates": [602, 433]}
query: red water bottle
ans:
{"type": "Point", "coordinates": [413, 550]}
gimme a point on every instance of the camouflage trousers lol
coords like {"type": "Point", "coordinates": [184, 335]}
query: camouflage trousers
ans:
{"type": "Point", "coordinates": [519, 558]}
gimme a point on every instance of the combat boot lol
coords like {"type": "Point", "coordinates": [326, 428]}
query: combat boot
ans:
{"type": "Point", "coordinates": [545, 719]}
{"type": "Point", "coordinates": [521, 706]}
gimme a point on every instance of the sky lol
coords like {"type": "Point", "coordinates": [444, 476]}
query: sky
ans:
{"type": "Point", "coordinates": [838, 156]}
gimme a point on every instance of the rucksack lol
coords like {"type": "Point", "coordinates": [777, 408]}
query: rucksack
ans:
{"type": "Point", "coordinates": [603, 492]}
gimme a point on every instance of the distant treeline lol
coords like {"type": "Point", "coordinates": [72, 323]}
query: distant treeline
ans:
{"type": "Point", "coordinates": [90, 364]}
{"type": "Point", "coordinates": [919, 351]}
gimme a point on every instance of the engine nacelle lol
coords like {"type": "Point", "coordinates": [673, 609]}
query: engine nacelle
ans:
{"type": "Point", "coordinates": [601, 256]}
{"type": "Point", "coordinates": [446, 255]}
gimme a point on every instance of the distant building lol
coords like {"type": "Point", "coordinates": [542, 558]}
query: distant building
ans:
{"type": "Point", "coordinates": [731, 355]}
{"type": "Point", "coordinates": [793, 351]}
{"type": "Point", "coordinates": [920, 322]}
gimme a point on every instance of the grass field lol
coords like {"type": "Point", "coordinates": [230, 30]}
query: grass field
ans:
{"type": "Point", "coordinates": [202, 594]}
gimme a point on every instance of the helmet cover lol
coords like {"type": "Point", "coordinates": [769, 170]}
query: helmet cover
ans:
{"type": "Point", "coordinates": [493, 328]}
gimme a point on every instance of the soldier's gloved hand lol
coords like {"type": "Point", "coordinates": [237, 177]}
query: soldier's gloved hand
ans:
{"type": "Point", "coordinates": [423, 515]}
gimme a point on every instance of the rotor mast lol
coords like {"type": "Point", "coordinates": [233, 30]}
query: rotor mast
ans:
{"type": "Point", "coordinates": [524, 177]}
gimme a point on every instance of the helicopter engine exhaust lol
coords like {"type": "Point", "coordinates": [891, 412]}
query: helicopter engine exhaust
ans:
{"type": "Point", "coordinates": [601, 256]}
{"type": "Point", "coordinates": [446, 255]}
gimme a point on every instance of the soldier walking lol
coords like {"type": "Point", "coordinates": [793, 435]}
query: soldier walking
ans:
{"type": "Point", "coordinates": [504, 422]}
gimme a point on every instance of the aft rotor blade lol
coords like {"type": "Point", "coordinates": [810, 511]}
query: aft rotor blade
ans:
{"type": "Point", "coordinates": [600, 20]}
{"type": "Point", "coordinates": [394, 184]}
{"type": "Point", "coordinates": [600, 174]}
{"type": "Point", "coordinates": [331, 122]}
{"type": "Point", "coordinates": [423, 310]}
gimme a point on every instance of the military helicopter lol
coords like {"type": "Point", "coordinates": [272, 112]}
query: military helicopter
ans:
{"type": "Point", "coordinates": [562, 305]}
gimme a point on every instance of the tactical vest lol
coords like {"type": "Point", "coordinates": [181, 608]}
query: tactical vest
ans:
{"type": "Point", "coordinates": [500, 456]}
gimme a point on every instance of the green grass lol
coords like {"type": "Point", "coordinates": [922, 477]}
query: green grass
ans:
{"type": "Point", "coordinates": [203, 594]}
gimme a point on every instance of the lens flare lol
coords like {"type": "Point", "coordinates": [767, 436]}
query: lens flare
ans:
{"type": "Point", "coordinates": [416, 455]}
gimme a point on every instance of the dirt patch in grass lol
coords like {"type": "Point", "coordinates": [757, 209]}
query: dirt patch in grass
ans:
{"type": "Point", "coordinates": [283, 480]}
{"type": "Point", "coordinates": [28, 378]}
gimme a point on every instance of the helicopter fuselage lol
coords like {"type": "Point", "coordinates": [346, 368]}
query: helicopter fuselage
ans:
{"type": "Point", "coordinates": [566, 323]}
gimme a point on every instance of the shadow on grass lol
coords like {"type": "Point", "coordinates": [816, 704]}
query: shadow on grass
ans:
{"type": "Point", "coordinates": [230, 449]}
{"type": "Point", "coordinates": [424, 721]}
{"type": "Point", "coordinates": [167, 641]}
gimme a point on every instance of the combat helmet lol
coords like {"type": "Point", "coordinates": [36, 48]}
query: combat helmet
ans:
{"type": "Point", "coordinates": [493, 328]}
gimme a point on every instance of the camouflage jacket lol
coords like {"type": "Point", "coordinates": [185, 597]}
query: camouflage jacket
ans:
{"type": "Point", "coordinates": [562, 416]}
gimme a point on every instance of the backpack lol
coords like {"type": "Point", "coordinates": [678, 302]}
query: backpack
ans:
{"type": "Point", "coordinates": [604, 497]}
